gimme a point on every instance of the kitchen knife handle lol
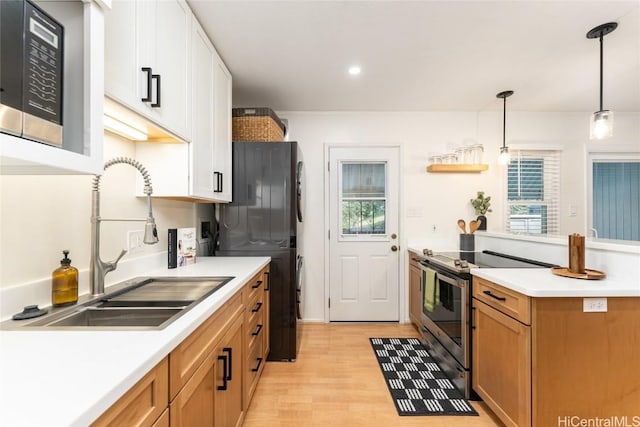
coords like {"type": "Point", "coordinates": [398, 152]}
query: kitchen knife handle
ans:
{"type": "Point", "coordinates": [156, 77]}
{"type": "Point", "coordinates": [494, 296]}
{"type": "Point", "coordinates": [229, 351]}
{"type": "Point", "coordinates": [224, 376]}
{"type": "Point", "coordinates": [148, 71]}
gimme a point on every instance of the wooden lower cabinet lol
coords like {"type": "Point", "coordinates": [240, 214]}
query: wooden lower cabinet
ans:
{"type": "Point", "coordinates": [203, 382]}
{"type": "Point", "coordinates": [415, 290]}
{"type": "Point", "coordinates": [143, 404]}
{"type": "Point", "coordinates": [564, 366]}
{"type": "Point", "coordinates": [193, 406]}
{"type": "Point", "coordinates": [502, 364]}
{"type": "Point", "coordinates": [229, 408]}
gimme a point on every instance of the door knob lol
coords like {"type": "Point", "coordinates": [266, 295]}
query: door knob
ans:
{"type": "Point", "coordinates": [394, 248]}
{"type": "Point", "coordinates": [394, 235]}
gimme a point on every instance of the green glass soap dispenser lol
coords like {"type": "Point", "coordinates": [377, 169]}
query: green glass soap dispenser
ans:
{"type": "Point", "coordinates": [64, 283]}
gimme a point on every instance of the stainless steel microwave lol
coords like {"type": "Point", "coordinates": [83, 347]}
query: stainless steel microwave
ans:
{"type": "Point", "coordinates": [31, 67]}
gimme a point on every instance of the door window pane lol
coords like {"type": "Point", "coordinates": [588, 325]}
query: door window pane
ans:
{"type": "Point", "coordinates": [363, 198]}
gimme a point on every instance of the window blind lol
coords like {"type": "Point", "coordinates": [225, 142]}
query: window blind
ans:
{"type": "Point", "coordinates": [533, 192]}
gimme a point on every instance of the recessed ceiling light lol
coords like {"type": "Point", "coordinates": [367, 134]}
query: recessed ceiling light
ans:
{"type": "Point", "coordinates": [354, 70]}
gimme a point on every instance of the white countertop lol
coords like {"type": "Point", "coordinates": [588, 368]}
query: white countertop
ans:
{"type": "Point", "coordinates": [541, 282]}
{"type": "Point", "coordinates": [69, 378]}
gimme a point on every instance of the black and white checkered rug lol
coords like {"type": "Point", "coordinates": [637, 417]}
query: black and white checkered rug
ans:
{"type": "Point", "coordinates": [416, 382]}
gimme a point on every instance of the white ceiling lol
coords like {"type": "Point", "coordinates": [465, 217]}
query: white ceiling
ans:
{"type": "Point", "coordinates": [426, 55]}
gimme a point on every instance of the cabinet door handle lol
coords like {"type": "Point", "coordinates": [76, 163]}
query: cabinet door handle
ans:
{"type": "Point", "coordinates": [257, 308]}
{"type": "Point", "coordinates": [494, 296]}
{"type": "Point", "coordinates": [218, 176]}
{"type": "Point", "coordinates": [156, 77]}
{"type": "Point", "coordinates": [229, 351]}
{"type": "Point", "coordinates": [257, 285]}
{"type": "Point", "coordinates": [259, 359]}
{"type": "Point", "coordinates": [268, 285]}
{"type": "Point", "coordinates": [257, 331]}
{"type": "Point", "coordinates": [224, 376]}
{"type": "Point", "coordinates": [148, 71]}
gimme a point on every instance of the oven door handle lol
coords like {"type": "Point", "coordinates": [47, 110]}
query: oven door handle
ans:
{"type": "Point", "coordinates": [462, 284]}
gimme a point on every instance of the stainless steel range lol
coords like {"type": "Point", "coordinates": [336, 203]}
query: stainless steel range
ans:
{"type": "Point", "coordinates": [446, 308]}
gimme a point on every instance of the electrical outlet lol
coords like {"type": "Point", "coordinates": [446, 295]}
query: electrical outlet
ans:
{"type": "Point", "coordinates": [135, 240]}
{"type": "Point", "coordinates": [594, 305]}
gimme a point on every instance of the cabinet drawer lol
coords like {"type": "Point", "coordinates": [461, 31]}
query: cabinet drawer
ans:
{"type": "Point", "coordinates": [255, 330]}
{"type": "Point", "coordinates": [190, 354]}
{"type": "Point", "coordinates": [255, 286]}
{"type": "Point", "coordinates": [511, 303]}
{"type": "Point", "coordinates": [143, 403]}
{"type": "Point", "coordinates": [255, 306]}
{"type": "Point", "coordinates": [254, 366]}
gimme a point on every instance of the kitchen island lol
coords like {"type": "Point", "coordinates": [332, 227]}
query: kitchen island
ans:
{"type": "Point", "coordinates": [69, 378]}
{"type": "Point", "coordinates": [551, 350]}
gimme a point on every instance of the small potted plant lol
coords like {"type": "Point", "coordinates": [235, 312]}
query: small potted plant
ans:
{"type": "Point", "coordinates": [482, 205]}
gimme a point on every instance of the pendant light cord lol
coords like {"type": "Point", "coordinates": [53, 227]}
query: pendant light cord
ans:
{"type": "Point", "coordinates": [601, 50]}
{"type": "Point", "coordinates": [504, 120]}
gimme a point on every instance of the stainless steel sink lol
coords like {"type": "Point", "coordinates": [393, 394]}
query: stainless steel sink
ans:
{"type": "Point", "coordinates": [113, 317]}
{"type": "Point", "coordinates": [142, 303]}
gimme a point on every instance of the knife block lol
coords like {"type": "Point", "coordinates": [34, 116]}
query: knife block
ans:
{"type": "Point", "coordinates": [576, 253]}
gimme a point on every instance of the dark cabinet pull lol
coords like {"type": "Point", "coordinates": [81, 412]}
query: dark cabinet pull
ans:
{"type": "Point", "coordinates": [229, 351]}
{"type": "Point", "coordinates": [255, 310]}
{"type": "Point", "coordinates": [494, 296]}
{"type": "Point", "coordinates": [257, 285]}
{"type": "Point", "coordinates": [258, 329]}
{"type": "Point", "coordinates": [224, 376]}
{"type": "Point", "coordinates": [218, 177]}
{"type": "Point", "coordinates": [268, 285]}
{"type": "Point", "coordinates": [148, 71]}
{"type": "Point", "coordinates": [156, 77]}
{"type": "Point", "coordinates": [259, 359]}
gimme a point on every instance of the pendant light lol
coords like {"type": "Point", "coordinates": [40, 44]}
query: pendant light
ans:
{"type": "Point", "coordinates": [602, 120]}
{"type": "Point", "coordinates": [504, 157]}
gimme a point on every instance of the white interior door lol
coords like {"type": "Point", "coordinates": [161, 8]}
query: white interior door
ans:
{"type": "Point", "coordinates": [363, 236]}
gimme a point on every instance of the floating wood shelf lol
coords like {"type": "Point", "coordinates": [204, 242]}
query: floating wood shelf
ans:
{"type": "Point", "coordinates": [463, 168]}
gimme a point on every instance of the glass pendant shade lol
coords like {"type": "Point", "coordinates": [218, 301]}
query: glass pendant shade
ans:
{"type": "Point", "coordinates": [504, 158]}
{"type": "Point", "coordinates": [601, 125]}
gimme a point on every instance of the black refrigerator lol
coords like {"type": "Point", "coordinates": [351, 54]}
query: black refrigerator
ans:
{"type": "Point", "coordinates": [263, 220]}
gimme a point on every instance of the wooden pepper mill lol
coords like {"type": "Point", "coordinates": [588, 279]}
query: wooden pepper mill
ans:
{"type": "Point", "coordinates": [576, 253]}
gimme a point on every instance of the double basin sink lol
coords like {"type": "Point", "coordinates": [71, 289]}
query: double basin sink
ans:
{"type": "Point", "coordinates": [143, 303]}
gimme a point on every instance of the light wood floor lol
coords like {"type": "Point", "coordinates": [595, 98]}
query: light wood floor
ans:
{"type": "Point", "coordinates": [337, 381]}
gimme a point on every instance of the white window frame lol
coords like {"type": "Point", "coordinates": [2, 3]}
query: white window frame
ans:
{"type": "Point", "coordinates": [531, 148]}
{"type": "Point", "coordinates": [604, 153]}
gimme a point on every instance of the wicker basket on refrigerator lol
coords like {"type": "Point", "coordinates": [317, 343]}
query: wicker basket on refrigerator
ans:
{"type": "Point", "coordinates": [257, 124]}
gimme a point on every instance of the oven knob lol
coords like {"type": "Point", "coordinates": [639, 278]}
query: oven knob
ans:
{"type": "Point", "coordinates": [456, 262]}
{"type": "Point", "coordinates": [427, 252]}
{"type": "Point", "coordinates": [464, 263]}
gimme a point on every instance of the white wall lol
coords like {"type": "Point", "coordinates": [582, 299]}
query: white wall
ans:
{"type": "Point", "coordinates": [436, 200]}
{"type": "Point", "coordinates": [42, 215]}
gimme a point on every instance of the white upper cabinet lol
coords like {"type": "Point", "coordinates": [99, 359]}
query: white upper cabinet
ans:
{"type": "Point", "coordinates": [222, 121]}
{"type": "Point", "coordinates": [201, 169]}
{"type": "Point", "coordinates": [147, 55]}
{"type": "Point", "coordinates": [82, 99]}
